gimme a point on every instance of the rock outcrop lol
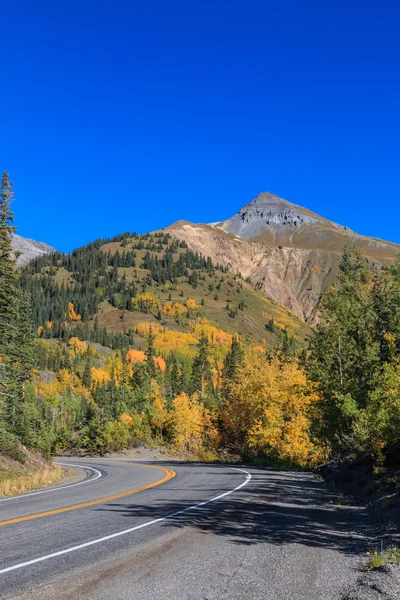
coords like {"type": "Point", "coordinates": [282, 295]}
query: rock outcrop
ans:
{"type": "Point", "coordinates": [29, 248]}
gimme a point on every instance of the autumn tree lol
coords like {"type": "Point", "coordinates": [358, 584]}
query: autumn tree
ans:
{"type": "Point", "coordinates": [271, 410]}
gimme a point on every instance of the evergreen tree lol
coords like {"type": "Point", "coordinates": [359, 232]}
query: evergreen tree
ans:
{"type": "Point", "coordinates": [201, 370]}
{"type": "Point", "coordinates": [150, 355]}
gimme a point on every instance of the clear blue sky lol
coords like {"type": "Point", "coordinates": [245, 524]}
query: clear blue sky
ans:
{"type": "Point", "coordinates": [125, 115]}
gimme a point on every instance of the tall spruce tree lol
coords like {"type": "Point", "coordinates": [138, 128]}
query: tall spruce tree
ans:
{"type": "Point", "coordinates": [16, 341]}
{"type": "Point", "coordinates": [201, 370]}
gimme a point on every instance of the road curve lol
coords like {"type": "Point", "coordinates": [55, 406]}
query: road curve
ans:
{"type": "Point", "coordinates": [179, 531]}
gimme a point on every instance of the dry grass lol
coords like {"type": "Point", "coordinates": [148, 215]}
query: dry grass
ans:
{"type": "Point", "coordinates": [13, 485]}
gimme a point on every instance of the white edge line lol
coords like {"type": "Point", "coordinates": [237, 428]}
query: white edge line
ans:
{"type": "Point", "coordinates": [60, 487]}
{"type": "Point", "coordinates": [126, 531]}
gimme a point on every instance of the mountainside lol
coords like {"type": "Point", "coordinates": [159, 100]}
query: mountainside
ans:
{"type": "Point", "coordinates": [288, 252]}
{"type": "Point", "coordinates": [121, 284]}
{"type": "Point", "coordinates": [29, 248]}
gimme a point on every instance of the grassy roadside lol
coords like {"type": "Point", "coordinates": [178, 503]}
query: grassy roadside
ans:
{"type": "Point", "coordinates": [12, 483]}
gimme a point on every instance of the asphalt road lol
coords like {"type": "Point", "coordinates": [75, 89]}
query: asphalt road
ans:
{"type": "Point", "coordinates": [178, 531]}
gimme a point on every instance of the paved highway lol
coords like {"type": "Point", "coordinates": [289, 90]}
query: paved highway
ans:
{"type": "Point", "coordinates": [172, 531]}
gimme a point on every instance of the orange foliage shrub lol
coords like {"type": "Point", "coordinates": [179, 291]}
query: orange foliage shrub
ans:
{"type": "Point", "coordinates": [161, 364]}
{"type": "Point", "coordinates": [72, 315]}
{"type": "Point", "coordinates": [135, 356]}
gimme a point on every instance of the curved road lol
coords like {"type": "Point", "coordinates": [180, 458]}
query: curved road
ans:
{"type": "Point", "coordinates": [171, 531]}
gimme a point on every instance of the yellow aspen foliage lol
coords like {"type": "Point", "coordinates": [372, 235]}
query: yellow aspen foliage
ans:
{"type": "Point", "coordinates": [126, 419]}
{"type": "Point", "coordinates": [49, 324]}
{"type": "Point", "coordinates": [270, 411]}
{"type": "Point", "coordinates": [159, 416]}
{"type": "Point", "coordinates": [66, 381]}
{"type": "Point", "coordinates": [191, 304]}
{"type": "Point", "coordinates": [99, 375]}
{"type": "Point", "coordinates": [177, 341]}
{"type": "Point", "coordinates": [135, 356]}
{"type": "Point", "coordinates": [76, 347]}
{"type": "Point", "coordinates": [259, 349]}
{"type": "Point", "coordinates": [145, 302]}
{"type": "Point", "coordinates": [143, 329]}
{"type": "Point", "coordinates": [216, 337]}
{"type": "Point", "coordinates": [169, 309]}
{"type": "Point", "coordinates": [40, 331]}
{"type": "Point", "coordinates": [188, 422]}
{"type": "Point", "coordinates": [72, 315]}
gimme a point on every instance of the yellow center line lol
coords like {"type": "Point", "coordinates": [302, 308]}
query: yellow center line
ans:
{"type": "Point", "coordinates": [169, 475]}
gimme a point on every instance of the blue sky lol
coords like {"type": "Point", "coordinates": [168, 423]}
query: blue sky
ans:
{"type": "Point", "coordinates": [125, 115]}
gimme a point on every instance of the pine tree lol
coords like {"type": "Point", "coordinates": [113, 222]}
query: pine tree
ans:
{"type": "Point", "coordinates": [8, 300]}
{"type": "Point", "coordinates": [150, 354]}
{"type": "Point", "coordinates": [201, 370]}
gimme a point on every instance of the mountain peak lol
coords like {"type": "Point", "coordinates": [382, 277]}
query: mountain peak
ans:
{"type": "Point", "coordinates": [268, 215]}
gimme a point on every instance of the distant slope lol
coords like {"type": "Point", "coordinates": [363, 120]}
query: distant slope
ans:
{"type": "Point", "coordinates": [30, 248]}
{"type": "Point", "coordinates": [103, 279]}
{"type": "Point", "coordinates": [288, 252]}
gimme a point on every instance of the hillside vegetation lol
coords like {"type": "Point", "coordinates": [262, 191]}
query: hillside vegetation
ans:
{"type": "Point", "coordinates": [155, 279]}
{"type": "Point", "coordinates": [139, 339]}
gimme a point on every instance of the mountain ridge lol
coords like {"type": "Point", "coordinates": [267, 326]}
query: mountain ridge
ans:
{"type": "Point", "coordinates": [287, 251]}
{"type": "Point", "coordinates": [29, 248]}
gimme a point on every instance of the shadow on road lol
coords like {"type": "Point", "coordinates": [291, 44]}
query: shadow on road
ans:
{"type": "Point", "coordinates": [276, 507]}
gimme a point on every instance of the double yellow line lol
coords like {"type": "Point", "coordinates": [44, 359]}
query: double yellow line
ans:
{"type": "Point", "coordinates": [169, 474]}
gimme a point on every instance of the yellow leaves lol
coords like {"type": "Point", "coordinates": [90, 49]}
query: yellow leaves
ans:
{"type": "Point", "coordinates": [66, 382]}
{"type": "Point", "coordinates": [271, 408]}
{"type": "Point", "coordinates": [138, 356]}
{"type": "Point", "coordinates": [143, 329]}
{"type": "Point", "coordinates": [49, 324]}
{"type": "Point", "coordinates": [99, 376]}
{"type": "Point", "coordinates": [159, 416]}
{"type": "Point", "coordinates": [191, 304]}
{"type": "Point", "coordinates": [72, 315]}
{"type": "Point", "coordinates": [216, 337]}
{"type": "Point", "coordinates": [126, 419]}
{"type": "Point", "coordinates": [77, 347]}
{"type": "Point", "coordinates": [40, 331]}
{"type": "Point", "coordinates": [187, 422]}
{"type": "Point", "coordinates": [169, 309]}
{"type": "Point", "coordinates": [135, 356]}
{"type": "Point", "coordinates": [145, 302]}
{"type": "Point", "coordinates": [177, 341]}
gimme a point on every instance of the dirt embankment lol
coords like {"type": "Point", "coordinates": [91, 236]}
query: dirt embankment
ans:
{"type": "Point", "coordinates": [378, 488]}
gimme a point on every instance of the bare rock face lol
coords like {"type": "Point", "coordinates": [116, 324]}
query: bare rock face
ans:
{"type": "Point", "coordinates": [288, 252]}
{"type": "Point", "coordinates": [293, 278]}
{"type": "Point", "coordinates": [29, 248]}
{"type": "Point", "coordinates": [269, 214]}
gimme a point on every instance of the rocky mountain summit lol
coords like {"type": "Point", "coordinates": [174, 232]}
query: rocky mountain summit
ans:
{"type": "Point", "coordinates": [270, 213]}
{"type": "Point", "coordinates": [29, 248]}
{"type": "Point", "coordinates": [289, 252]}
